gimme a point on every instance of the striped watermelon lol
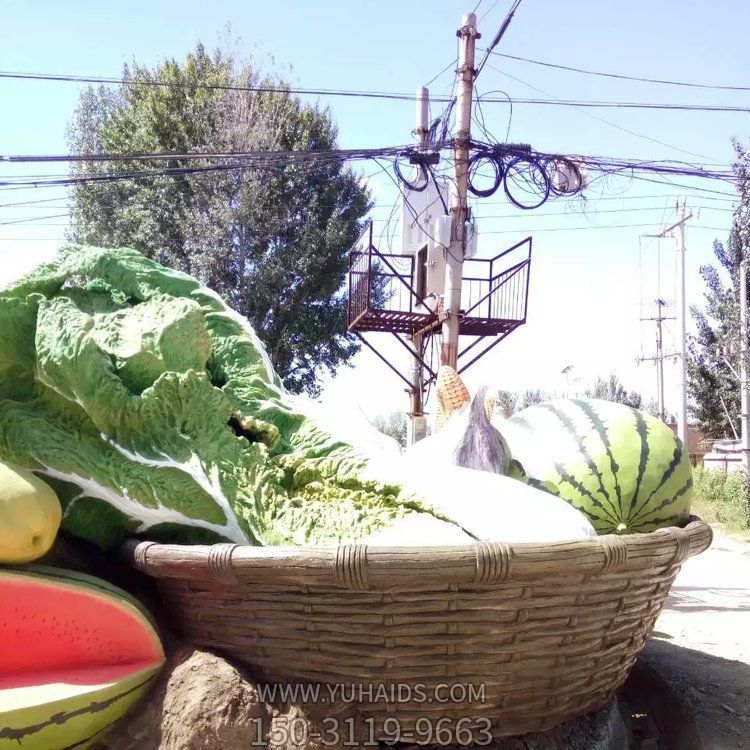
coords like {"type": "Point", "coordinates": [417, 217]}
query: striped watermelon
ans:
{"type": "Point", "coordinates": [625, 469]}
{"type": "Point", "coordinates": [75, 654]}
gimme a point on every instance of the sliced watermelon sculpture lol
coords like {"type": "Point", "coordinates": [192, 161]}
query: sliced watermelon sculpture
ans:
{"type": "Point", "coordinates": [626, 470]}
{"type": "Point", "coordinates": [75, 654]}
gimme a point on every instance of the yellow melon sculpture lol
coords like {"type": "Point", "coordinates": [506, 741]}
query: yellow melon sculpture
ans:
{"type": "Point", "coordinates": [30, 515]}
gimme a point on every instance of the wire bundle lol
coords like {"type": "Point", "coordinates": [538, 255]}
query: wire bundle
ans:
{"type": "Point", "coordinates": [527, 177]}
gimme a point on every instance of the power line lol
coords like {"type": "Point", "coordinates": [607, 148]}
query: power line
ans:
{"type": "Point", "coordinates": [29, 203]}
{"type": "Point", "coordinates": [398, 96]}
{"type": "Point", "coordinates": [263, 156]}
{"type": "Point", "coordinates": [109, 80]}
{"type": "Point", "coordinates": [536, 215]}
{"type": "Point", "coordinates": [682, 186]}
{"type": "Point", "coordinates": [497, 38]}
{"type": "Point", "coordinates": [665, 106]}
{"type": "Point", "coordinates": [451, 64]}
{"type": "Point", "coordinates": [589, 227]}
{"type": "Point", "coordinates": [257, 159]}
{"type": "Point", "coordinates": [601, 119]}
{"type": "Point", "coordinates": [487, 12]}
{"type": "Point", "coordinates": [621, 76]}
{"type": "Point", "coordinates": [592, 227]}
{"type": "Point", "coordinates": [626, 197]}
{"type": "Point", "coordinates": [29, 219]}
{"type": "Point", "coordinates": [270, 160]}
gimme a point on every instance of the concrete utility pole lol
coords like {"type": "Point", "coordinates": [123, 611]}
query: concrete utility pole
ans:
{"type": "Point", "coordinates": [660, 361]}
{"type": "Point", "coordinates": [744, 393]}
{"type": "Point", "coordinates": [677, 230]}
{"type": "Point", "coordinates": [659, 357]}
{"type": "Point", "coordinates": [679, 234]}
{"type": "Point", "coordinates": [416, 424]}
{"type": "Point", "coordinates": [467, 35]}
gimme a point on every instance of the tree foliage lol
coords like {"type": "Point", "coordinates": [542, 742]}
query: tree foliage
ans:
{"type": "Point", "coordinates": [272, 242]}
{"type": "Point", "coordinates": [611, 389]}
{"type": "Point", "coordinates": [393, 425]}
{"type": "Point", "coordinates": [714, 351]}
{"type": "Point", "coordinates": [509, 402]}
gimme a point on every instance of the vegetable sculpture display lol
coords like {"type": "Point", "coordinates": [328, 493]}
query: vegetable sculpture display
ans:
{"type": "Point", "coordinates": [152, 408]}
{"type": "Point", "coordinates": [76, 654]}
{"type": "Point", "coordinates": [626, 470]}
{"type": "Point", "coordinates": [30, 515]}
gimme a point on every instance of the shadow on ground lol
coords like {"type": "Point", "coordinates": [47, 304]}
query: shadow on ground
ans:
{"type": "Point", "coordinates": [706, 704]}
{"type": "Point", "coordinates": [708, 599]}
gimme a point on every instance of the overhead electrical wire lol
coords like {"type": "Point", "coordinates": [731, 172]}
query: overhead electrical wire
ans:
{"type": "Point", "coordinates": [30, 219]}
{"type": "Point", "coordinates": [262, 156]}
{"type": "Point", "coordinates": [487, 12]}
{"type": "Point", "coordinates": [498, 37]}
{"type": "Point", "coordinates": [589, 227]}
{"type": "Point", "coordinates": [451, 64]}
{"type": "Point", "coordinates": [110, 80]}
{"type": "Point", "coordinates": [260, 160]}
{"type": "Point", "coordinates": [662, 106]}
{"type": "Point", "coordinates": [515, 167]}
{"type": "Point", "coordinates": [603, 227]}
{"type": "Point", "coordinates": [537, 215]}
{"type": "Point", "coordinates": [398, 96]}
{"type": "Point", "coordinates": [621, 76]}
{"type": "Point", "coordinates": [32, 202]}
{"type": "Point", "coordinates": [602, 119]}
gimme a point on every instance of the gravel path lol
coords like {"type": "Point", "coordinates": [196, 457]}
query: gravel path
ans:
{"type": "Point", "coordinates": [701, 642]}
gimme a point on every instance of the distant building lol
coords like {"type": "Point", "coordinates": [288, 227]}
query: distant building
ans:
{"type": "Point", "coordinates": [698, 444]}
{"type": "Point", "coordinates": [725, 455]}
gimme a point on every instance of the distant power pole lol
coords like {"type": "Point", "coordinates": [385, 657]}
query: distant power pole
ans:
{"type": "Point", "coordinates": [679, 234]}
{"type": "Point", "coordinates": [677, 230]}
{"type": "Point", "coordinates": [659, 357]}
{"type": "Point", "coordinates": [467, 35]}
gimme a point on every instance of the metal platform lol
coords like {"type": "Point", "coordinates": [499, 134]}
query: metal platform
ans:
{"type": "Point", "coordinates": [383, 296]}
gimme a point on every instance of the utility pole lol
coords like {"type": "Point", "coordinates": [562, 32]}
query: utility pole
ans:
{"type": "Point", "coordinates": [744, 393]}
{"type": "Point", "coordinates": [416, 424]}
{"type": "Point", "coordinates": [679, 234]}
{"type": "Point", "coordinates": [677, 230]}
{"type": "Point", "coordinates": [658, 359]}
{"type": "Point", "coordinates": [467, 35]}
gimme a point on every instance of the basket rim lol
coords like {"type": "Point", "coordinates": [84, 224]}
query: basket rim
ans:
{"type": "Point", "coordinates": [360, 566]}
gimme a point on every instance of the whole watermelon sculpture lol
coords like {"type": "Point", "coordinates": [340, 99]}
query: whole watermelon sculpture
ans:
{"type": "Point", "coordinates": [626, 470]}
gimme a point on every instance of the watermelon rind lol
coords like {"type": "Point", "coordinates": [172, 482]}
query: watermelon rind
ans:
{"type": "Point", "coordinates": [77, 720]}
{"type": "Point", "coordinates": [73, 722]}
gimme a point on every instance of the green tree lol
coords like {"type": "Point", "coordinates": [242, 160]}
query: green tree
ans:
{"type": "Point", "coordinates": [393, 425]}
{"type": "Point", "coordinates": [532, 397]}
{"type": "Point", "coordinates": [272, 242]}
{"type": "Point", "coordinates": [714, 350]}
{"type": "Point", "coordinates": [611, 389]}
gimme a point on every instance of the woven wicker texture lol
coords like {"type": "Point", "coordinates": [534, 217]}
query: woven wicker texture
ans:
{"type": "Point", "coordinates": [550, 631]}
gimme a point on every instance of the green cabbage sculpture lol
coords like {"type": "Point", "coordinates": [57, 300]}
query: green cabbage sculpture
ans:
{"type": "Point", "coordinates": [153, 409]}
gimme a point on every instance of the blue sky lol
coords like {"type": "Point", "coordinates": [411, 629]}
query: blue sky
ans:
{"type": "Point", "coordinates": [587, 283]}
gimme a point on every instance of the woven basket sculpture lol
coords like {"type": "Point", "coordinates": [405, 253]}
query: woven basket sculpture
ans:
{"type": "Point", "coordinates": [546, 631]}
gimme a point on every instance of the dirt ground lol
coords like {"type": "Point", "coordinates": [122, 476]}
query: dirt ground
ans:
{"type": "Point", "coordinates": [701, 642]}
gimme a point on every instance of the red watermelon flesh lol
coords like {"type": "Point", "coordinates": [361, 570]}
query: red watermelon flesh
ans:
{"type": "Point", "coordinates": [75, 653]}
{"type": "Point", "coordinates": [49, 628]}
